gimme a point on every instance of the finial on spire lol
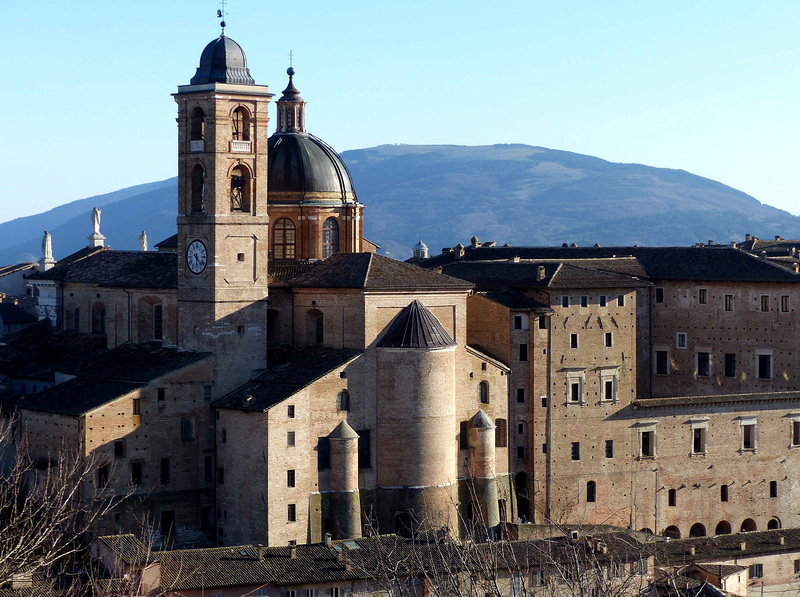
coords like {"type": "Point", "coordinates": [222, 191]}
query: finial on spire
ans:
{"type": "Point", "coordinates": [221, 14]}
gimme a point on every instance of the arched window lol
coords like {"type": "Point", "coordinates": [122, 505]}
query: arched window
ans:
{"type": "Point", "coordinates": [283, 239]}
{"type": "Point", "coordinates": [343, 400]}
{"type": "Point", "coordinates": [773, 524]}
{"type": "Point", "coordinates": [723, 528]}
{"type": "Point", "coordinates": [240, 190]}
{"type": "Point", "coordinates": [315, 328]}
{"type": "Point", "coordinates": [483, 392]}
{"type": "Point", "coordinates": [500, 433]}
{"type": "Point", "coordinates": [330, 238]}
{"type": "Point", "coordinates": [749, 525]}
{"type": "Point", "coordinates": [99, 318]}
{"type": "Point", "coordinates": [241, 125]}
{"type": "Point", "coordinates": [697, 530]}
{"type": "Point", "coordinates": [672, 532]}
{"type": "Point", "coordinates": [73, 317]}
{"type": "Point", "coordinates": [198, 125]}
{"type": "Point", "coordinates": [198, 189]}
{"type": "Point", "coordinates": [591, 491]}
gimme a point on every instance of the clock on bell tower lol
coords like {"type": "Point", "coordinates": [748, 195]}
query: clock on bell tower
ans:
{"type": "Point", "coordinates": [222, 214]}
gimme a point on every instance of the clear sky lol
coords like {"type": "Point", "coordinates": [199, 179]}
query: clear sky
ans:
{"type": "Point", "coordinates": [709, 87]}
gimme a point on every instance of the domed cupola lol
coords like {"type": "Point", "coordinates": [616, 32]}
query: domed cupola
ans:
{"type": "Point", "coordinates": [302, 167]}
{"type": "Point", "coordinates": [223, 61]}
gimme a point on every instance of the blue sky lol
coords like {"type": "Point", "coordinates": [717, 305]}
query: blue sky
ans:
{"type": "Point", "coordinates": [708, 87]}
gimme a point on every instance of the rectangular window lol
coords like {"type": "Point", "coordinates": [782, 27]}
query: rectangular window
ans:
{"type": "Point", "coordinates": [662, 362]}
{"type": "Point", "coordinates": [290, 438]}
{"type": "Point", "coordinates": [520, 395]}
{"type": "Point", "coordinates": [609, 339]}
{"type": "Point", "coordinates": [699, 440]}
{"type": "Point", "coordinates": [680, 340]}
{"type": "Point", "coordinates": [702, 296]}
{"type": "Point", "coordinates": [523, 352]}
{"type": "Point", "coordinates": [542, 322]}
{"type": "Point", "coordinates": [291, 513]}
{"type": "Point", "coordinates": [541, 578]}
{"type": "Point", "coordinates": [647, 444]}
{"type": "Point", "coordinates": [206, 393]}
{"type": "Point", "coordinates": [773, 489]}
{"type": "Point", "coordinates": [521, 428]}
{"type": "Point", "coordinates": [755, 571]}
{"type": "Point", "coordinates": [796, 433]}
{"type": "Point", "coordinates": [517, 322]}
{"type": "Point", "coordinates": [723, 493]}
{"type": "Point", "coordinates": [764, 366]}
{"type": "Point", "coordinates": [187, 429]}
{"type": "Point", "coordinates": [729, 302]}
{"type": "Point", "coordinates": [797, 566]}
{"type": "Point", "coordinates": [703, 364]}
{"type": "Point", "coordinates": [608, 390]}
{"type": "Point", "coordinates": [290, 480]}
{"type": "Point", "coordinates": [576, 450]}
{"type": "Point", "coordinates": [748, 436]}
{"type": "Point", "coordinates": [119, 448]}
{"type": "Point", "coordinates": [609, 448]}
{"type": "Point", "coordinates": [565, 301]}
{"type": "Point", "coordinates": [220, 476]}
{"type": "Point", "coordinates": [500, 433]}
{"type": "Point", "coordinates": [584, 301]}
{"type": "Point", "coordinates": [659, 295]}
{"type": "Point", "coordinates": [162, 395]}
{"type": "Point", "coordinates": [672, 497]}
{"type": "Point", "coordinates": [208, 468]}
{"type": "Point", "coordinates": [573, 340]}
{"type": "Point", "coordinates": [730, 365]}
{"type": "Point", "coordinates": [621, 300]}
{"type": "Point", "coordinates": [463, 435]}
{"type": "Point", "coordinates": [290, 411]}
{"type": "Point", "coordinates": [224, 437]}
{"type": "Point", "coordinates": [158, 322]}
{"type": "Point", "coordinates": [575, 392]}
{"type": "Point", "coordinates": [137, 406]}
{"type": "Point", "coordinates": [602, 300]}
{"type": "Point", "coordinates": [785, 303]}
{"type": "Point", "coordinates": [764, 303]}
{"type": "Point", "coordinates": [544, 401]}
{"type": "Point", "coordinates": [323, 453]}
{"type": "Point", "coordinates": [521, 452]}
{"type": "Point", "coordinates": [102, 475]}
{"type": "Point", "coordinates": [164, 471]}
{"type": "Point", "coordinates": [364, 449]}
{"type": "Point", "coordinates": [544, 448]}
{"type": "Point", "coordinates": [136, 473]}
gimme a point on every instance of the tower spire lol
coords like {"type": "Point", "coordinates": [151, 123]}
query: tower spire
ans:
{"type": "Point", "coordinates": [291, 107]}
{"type": "Point", "coordinates": [221, 14]}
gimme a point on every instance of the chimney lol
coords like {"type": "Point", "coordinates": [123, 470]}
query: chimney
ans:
{"type": "Point", "coordinates": [733, 244]}
{"type": "Point", "coordinates": [710, 242]}
{"type": "Point", "coordinates": [763, 255]}
{"type": "Point", "coordinates": [743, 546]}
{"type": "Point", "coordinates": [746, 237]}
{"type": "Point", "coordinates": [473, 242]}
{"type": "Point", "coordinates": [293, 549]}
{"type": "Point", "coordinates": [459, 251]}
{"type": "Point", "coordinates": [778, 237]}
{"type": "Point", "coordinates": [782, 540]}
{"type": "Point", "coordinates": [540, 272]}
{"type": "Point", "coordinates": [692, 550]}
{"type": "Point", "coordinates": [260, 551]}
{"type": "Point", "coordinates": [328, 541]}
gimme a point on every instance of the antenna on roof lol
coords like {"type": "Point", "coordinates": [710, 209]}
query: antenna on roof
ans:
{"type": "Point", "coordinates": [221, 14]}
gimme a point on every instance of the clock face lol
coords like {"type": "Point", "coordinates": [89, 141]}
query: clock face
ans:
{"type": "Point", "coordinates": [196, 257]}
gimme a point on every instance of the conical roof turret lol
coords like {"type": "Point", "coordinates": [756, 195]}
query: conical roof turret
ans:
{"type": "Point", "coordinates": [416, 327]}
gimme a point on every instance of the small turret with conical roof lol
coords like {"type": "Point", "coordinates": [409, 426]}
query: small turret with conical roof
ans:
{"type": "Point", "coordinates": [291, 108]}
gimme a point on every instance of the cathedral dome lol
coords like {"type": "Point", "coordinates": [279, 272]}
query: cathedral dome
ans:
{"type": "Point", "coordinates": [303, 163]}
{"type": "Point", "coordinates": [223, 61]}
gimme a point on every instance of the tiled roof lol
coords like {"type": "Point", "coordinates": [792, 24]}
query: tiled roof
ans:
{"type": "Point", "coordinates": [39, 346]}
{"type": "Point", "coordinates": [60, 269]}
{"type": "Point", "coordinates": [415, 327]}
{"type": "Point", "coordinates": [11, 313]}
{"type": "Point", "coordinates": [128, 548]}
{"type": "Point", "coordinates": [130, 269]}
{"type": "Point", "coordinates": [726, 547]}
{"type": "Point", "coordinates": [570, 275]}
{"type": "Point", "coordinates": [714, 400]}
{"type": "Point", "coordinates": [516, 301]}
{"type": "Point", "coordinates": [10, 269]}
{"type": "Point", "coordinates": [168, 243]}
{"type": "Point", "coordinates": [283, 270]}
{"type": "Point", "coordinates": [77, 396]}
{"type": "Point", "coordinates": [371, 271]}
{"type": "Point", "coordinates": [301, 369]}
{"type": "Point", "coordinates": [721, 570]}
{"type": "Point", "coordinates": [708, 263]}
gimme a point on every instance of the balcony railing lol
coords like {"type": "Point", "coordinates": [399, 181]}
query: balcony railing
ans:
{"type": "Point", "coordinates": [240, 146]}
{"type": "Point", "coordinates": [198, 145]}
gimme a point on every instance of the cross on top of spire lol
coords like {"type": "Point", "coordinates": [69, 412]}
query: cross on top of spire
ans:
{"type": "Point", "coordinates": [221, 14]}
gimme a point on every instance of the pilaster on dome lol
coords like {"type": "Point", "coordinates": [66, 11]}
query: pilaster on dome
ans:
{"type": "Point", "coordinates": [223, 61]}
{"type": "Point", "coordinates": [291, 108]}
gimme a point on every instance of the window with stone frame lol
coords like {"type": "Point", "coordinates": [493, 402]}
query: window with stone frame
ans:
{"type": "Point", "coordinates": [284, 239]}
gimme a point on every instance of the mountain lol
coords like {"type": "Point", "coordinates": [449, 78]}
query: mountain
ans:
{"type": "Point", "coordinates": [444, 195]}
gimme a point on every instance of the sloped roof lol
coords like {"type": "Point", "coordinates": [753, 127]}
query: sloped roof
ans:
{"type": "Point", "coordinates": [717, 262]}
{"type": "Point", "coordinates": [170, 242]}
{"type": "Point", "coordinates": [282, 270]}
{"type": "Point", "coordinates": [60, 269]}
{"type": "Point", "coordinates": [416, 327]}
{"type": "Point", "coordinates": [714, 400]}
{"type": "Point", "coordinates": [300, 370]}
{"type": "Point", "coordinates": [128, 548]}
{"type": "Point", "coordinates": [516, 301]}
{"type": "Point", "coordinates": [370, 271]}
{"type": "Point", "coordinates": [130, 269]}
{"type": "Point", "coordinates": [11, 313]}
{"type": "Point", "coordinates": [77, 396]}
{"type": "Point", "coordinates": [725, 547]}
{"type": "Point", "coordinates": [10, 269]}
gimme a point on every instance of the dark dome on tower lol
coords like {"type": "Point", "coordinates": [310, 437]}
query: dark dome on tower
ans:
{"type": "Point", "coordinates": [223, 61]}
{"type": "Point", "coordinates": [302, 163]}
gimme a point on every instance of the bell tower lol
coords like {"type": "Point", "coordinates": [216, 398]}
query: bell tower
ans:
{"type": "Point", "coordinates": [222, 214]}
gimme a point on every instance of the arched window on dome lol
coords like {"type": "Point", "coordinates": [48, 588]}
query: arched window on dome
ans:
{"type": "Point", "coordinates": [240, 190]}
{"type": "Point", "coordinates": [197, 126]}
{"type": "Point", "coordinates": [283, 239]}
{"type": "Point", "coordinates": [330, 238]}
{"type": "Point", "coordinates": [198, 189]}
{"type": "Point", "coordinates": [241, 125]}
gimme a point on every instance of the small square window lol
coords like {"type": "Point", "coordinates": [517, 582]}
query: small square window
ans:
{"type": "Point", "coordinates": [584, 301]}
{"type": "Point", "coordinates": [755, 571]}
{"type": "Point", "coordinates": [702, 296]}
{"type": "Point", "coordinates": [659, 295]}
{"type": "Point", "coordinates": [680, 340]}
{"type": "Point", "coordinates": [573, 340]}
{"type": "Point", "coordinates": [576, 450]}
{"type": "Point", "coordinates": [565, 301]}
{"type": "Point", "coordinates": [517, 322]}
{"type": "Point", "coordinates": [609, 339]}
{"type": "Point", "coordinates": [764, 303]}
{"type": "Point", "coordinates": [240, 257]}
{"type": "Point", "coordinates": [729, 302]}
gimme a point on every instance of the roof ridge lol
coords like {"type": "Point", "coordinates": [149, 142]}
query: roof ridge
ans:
{"type": "Point", "coordinates": [369, 269]}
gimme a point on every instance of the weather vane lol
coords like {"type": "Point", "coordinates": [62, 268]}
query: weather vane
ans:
{"type": "Point", "coordinates": [291, 59]}
{"type": "Point", "coordinates": [221, 13]}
